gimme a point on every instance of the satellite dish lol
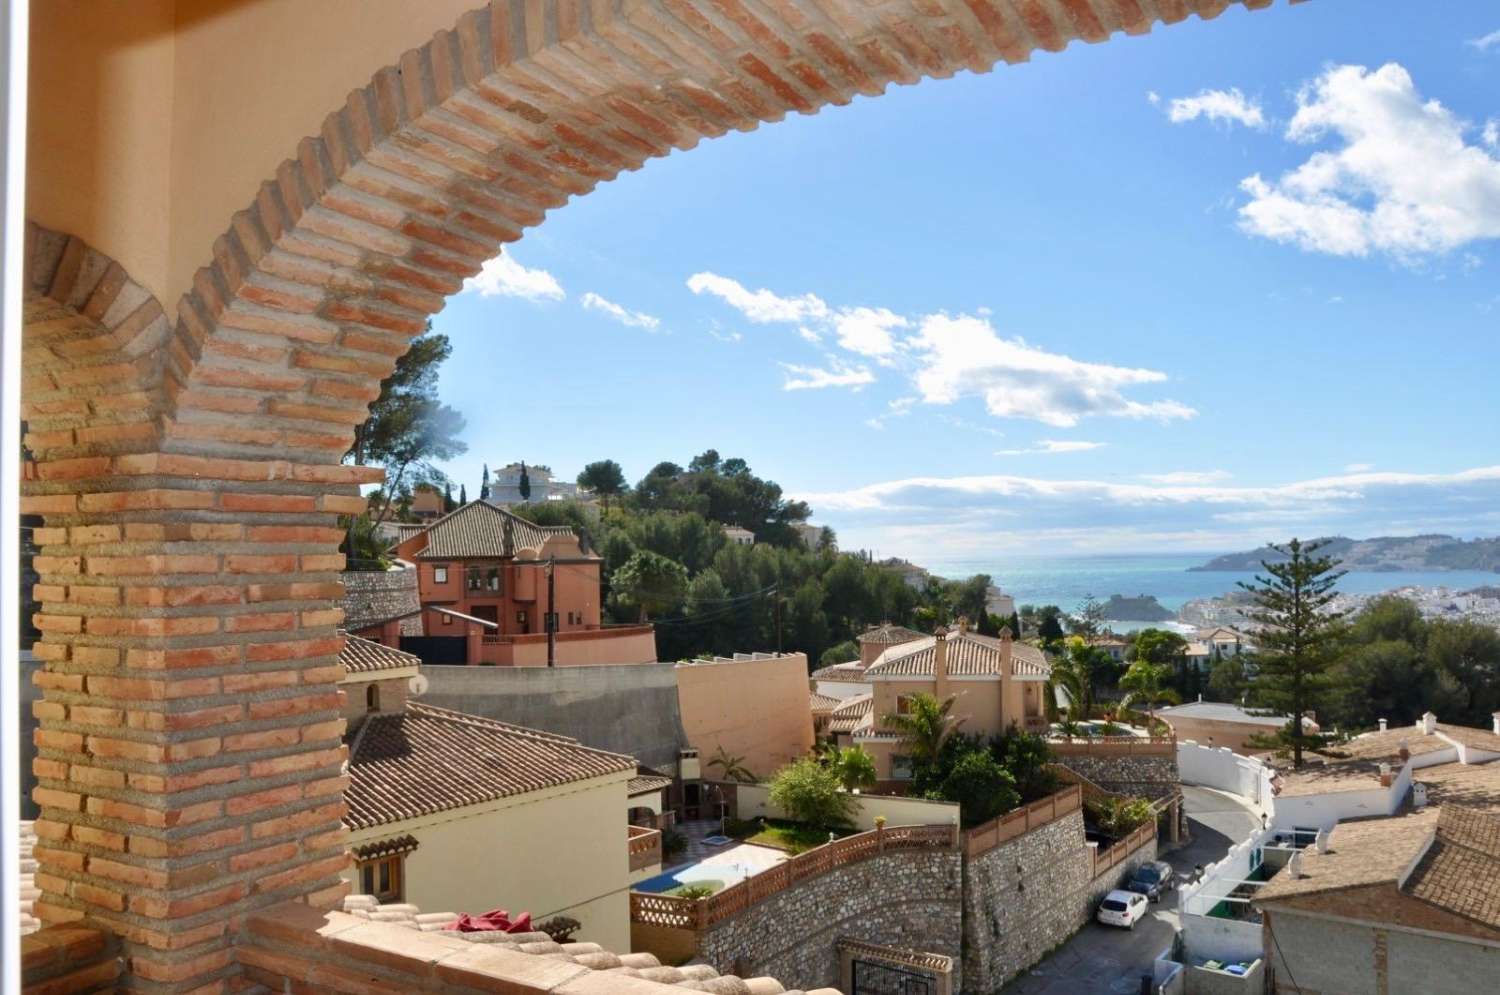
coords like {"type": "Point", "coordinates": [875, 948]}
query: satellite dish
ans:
{"type": "Point", "coordinates": [418, 685]}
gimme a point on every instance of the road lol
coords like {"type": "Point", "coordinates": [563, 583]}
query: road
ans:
{"type": "Point", "coordinates": [1101, 959]}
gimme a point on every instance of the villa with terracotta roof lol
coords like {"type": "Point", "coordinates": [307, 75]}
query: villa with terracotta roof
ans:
{"type": "Point", "coordinates": [997, 683]}
{"type": "Point", "coordinates": [488, 581]}
{"type": "Point", "coordinates": [450, 811]}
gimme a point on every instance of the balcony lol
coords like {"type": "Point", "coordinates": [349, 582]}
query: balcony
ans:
{"type": "Point", "coordinates": [644, 847]}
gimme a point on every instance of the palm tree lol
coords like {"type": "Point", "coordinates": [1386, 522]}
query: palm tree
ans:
{"type": "Point", "coordinates": [924, 727]}
{"type": "Point", "coordinates": [1146, 682]}
{"type": "Point", "coordinates": [1070, 676]}
{"type": "Point", "coordinates": [853, 765]}
{"type": "Point", "coordinates": [732, 768]}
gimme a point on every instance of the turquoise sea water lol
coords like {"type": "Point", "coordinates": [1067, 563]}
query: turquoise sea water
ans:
{"type": "Point", "coordinates": [1066, 580]}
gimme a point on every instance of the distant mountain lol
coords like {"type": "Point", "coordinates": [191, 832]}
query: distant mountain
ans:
{"type": "Point", "coordinates": [1383, 553]}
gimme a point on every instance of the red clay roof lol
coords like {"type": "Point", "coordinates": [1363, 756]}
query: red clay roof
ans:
{"type": "Point", "coordinates": [364, 656]}
{"type": "Point", "coordinates": [429, 759]}
{"type": "Point", "coordinates": [969, 655]}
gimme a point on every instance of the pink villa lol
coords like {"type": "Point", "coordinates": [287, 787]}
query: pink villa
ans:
{"type": "Point", "coordinates": [491, 578]}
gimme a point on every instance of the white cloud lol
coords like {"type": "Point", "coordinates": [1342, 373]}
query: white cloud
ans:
{"type": "Point", "coordinates": [1188, 477]}
{"type": "Point", "coordinates": [963, 356]}
{"type": "Point", "coordinates": [1218, 106]}
{"type": "Point", "coordinates": [808, 335]}
{"type": "Point", "coordinates": [1358, 467]}
{"type": "Point", "coordinates": [867, 331]}
{"type": "Point", "coordinates": [1153, 98]}
{"type": "Point", "coordinates": [633, 319]}
{"type": "Point", "coordinates": [731, 337]}
{"type": "Point", "coordinates": [1050, 446]}
{"type": "Point", "coordinates": [836, 375]}
{"type": "Point", "coordinates": [760, 306]}
{"type": "Point", "coordinates": [504, 277]}
{"type": "Point", "coordinates": [1485, 42]}
{"type": "Point", "coordinates": [972, 518]}
{"type": "Point", "coordinates": [1403, 181]}
{"type": "Point", "coordinates": [1491, 133]}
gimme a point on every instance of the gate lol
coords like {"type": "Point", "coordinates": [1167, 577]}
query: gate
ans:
{"type": "Point", "coordinates": [437, 649]}
{"type": "Point", "coordinates": [875, 978]}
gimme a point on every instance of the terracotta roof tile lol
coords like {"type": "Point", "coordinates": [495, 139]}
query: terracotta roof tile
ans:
{"type": "Point", "coordinates": [1362, 852]}
{"type": "Point", "coordinates": [364, 656]}
{"type": "Point", "coordinates": [647, 780]}
{"type": "Point", "coordinates": [822, 704]}
{"type": "Point", "coordinates": [479, 529]}
{"type": "Point", "coordinates": [375, 596]}
{"type": "Point", "coordinates": [969, 655]}
{"type": "Point", "coordinates": [431, 759]}
{"type": "Point", "coordinates": [1460, 871]}
{"type": "Point", "coordinates": [888, 634]}
{"type": "Point", "coordinates": [851, 673]}
{"type": "Point", "coordinates": [853, 713]}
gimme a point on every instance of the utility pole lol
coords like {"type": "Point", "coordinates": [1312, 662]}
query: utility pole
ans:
{"type": "Point", "coordinates": [551, 610]}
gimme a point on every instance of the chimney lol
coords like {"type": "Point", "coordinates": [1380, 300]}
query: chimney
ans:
{"type": "Point", "coordinates": [940, 663]}
{"type": "Point", "coordinates": [1382, 725]}
{"type": "Point", "coordinates": [1405, 752]}
{"type": "Point", "coordinates": [1294, 866]}
{"type": "Point", "coordinates": [1429, 723]}
{"type": "Point", "coordinates": [1385, 775]}
{"type": "Point", "coordinates": [1495, 723]}
{"type": "Point", "coordinates": [1321, 840]}
{"type": "Point", "coordinates": [1200, 695]}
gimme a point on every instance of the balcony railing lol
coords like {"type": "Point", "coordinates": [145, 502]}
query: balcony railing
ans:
{"type": "Point", "coordinates": [644, 846]}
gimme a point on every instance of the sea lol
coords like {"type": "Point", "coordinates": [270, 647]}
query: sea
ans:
{"type": "Point", "coordinates": [1066, 580]}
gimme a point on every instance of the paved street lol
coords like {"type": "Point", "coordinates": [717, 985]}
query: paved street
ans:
{"type": "Point", "coordinates": [1105, 960]}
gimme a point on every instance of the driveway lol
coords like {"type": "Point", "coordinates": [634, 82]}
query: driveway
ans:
{"type": "Point", "coordinates": [1103, 959]}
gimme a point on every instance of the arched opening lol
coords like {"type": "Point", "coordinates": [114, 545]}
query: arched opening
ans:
{"type": "Point", "coordinates": [189, 755]}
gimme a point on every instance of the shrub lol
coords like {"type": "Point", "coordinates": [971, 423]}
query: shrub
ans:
{"type": "Point", "coordinates": [1118, 816]}
{"type": "Point", "coordinates": [695, 892]}
{"type": "Point", "coordinates": [672, 842]}
{"type": "Point", "coordinates": [560, 928]}
{"type": "Point", "coordinates": [982, 788]}
{"type": "Point", "coordinates": [809, 792]}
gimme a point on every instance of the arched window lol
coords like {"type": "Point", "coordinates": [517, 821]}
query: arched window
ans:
{"type": "Point", "coordinates": [372, 698]}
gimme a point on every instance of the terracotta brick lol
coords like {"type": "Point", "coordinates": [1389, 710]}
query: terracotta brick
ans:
{"type": "Point", "coordinates": [296, 762]}
{"type": "Point", "coordinates": [68, 801]}
{"type": "Point", "coordinates": [240, 563]}
{"type": "Point", "coordinates": [266, 622]}
{"type": "Point", "coordinates": [263, 740]}
{"type": "Point", "coordinates": [267, 502]}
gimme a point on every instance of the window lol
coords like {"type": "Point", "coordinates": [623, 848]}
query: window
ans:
{"type": "Point", "coordinates": [447, 619]}
{"type": "Point", "coordinates": [903, 704]}
{"type": "Point", "coordinates": [521, 619]}
{"type": "Point", "coordinates": [372, 698]}
{"type": "Point", "coordinates": [476, 579]}
{"type": "Point", "coordinates": [900, 768]}
{"type": "Point", "coordinates": [440, 574]}
{"type": "Point", "coordinates": [493, 580]}
{"type": "Point", "coordinates": [382, 878]}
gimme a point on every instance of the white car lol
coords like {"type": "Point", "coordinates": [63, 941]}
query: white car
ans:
{"type": "Point", "coordinates": [1122, 908]}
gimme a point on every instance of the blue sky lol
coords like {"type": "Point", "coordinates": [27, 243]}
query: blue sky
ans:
{"type": "Point", "coordinates": [1226, 283]}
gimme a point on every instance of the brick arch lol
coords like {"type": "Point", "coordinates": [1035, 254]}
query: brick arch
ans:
{"type": "Point", "coordinates": [190, 744]}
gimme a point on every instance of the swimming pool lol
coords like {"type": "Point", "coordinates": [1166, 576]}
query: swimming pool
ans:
{"type": "Point", "coordinates": [722, 869]}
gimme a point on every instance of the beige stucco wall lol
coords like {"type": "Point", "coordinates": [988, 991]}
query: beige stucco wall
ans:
{"type": "Point", "coordinates": [130, 145]}
{"type": "Point", "coordinates": [562, 850]}
{"type": "Point", "coordinates": [1216, 733]}
{"type": "Point", "coordinates": [756, 709]}
{"type": "Point", "coordinates": [753, 801]}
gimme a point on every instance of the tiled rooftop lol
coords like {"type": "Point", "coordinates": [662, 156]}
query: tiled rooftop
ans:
{"type": "Point", "coordinates": [888, 634]}
{"type": "Point", "coordinates": [1461, 870]}
{"type": "Point", "coordinates": [1361, 852]}
{"type": "Point", "coordinates": [969, 655]}
{"type": "Point", "coordinates": [822, 704]}
{"type": "Point", "coordinates": [479, 529]}
{"type": "Point", "coordinates": [847, 672]}
{"type": "Point", "coordinates": [646, 781]}
{"type": "Point", "coordinates": [362, 656]}
{"type": "Point", "coordinates": [429, 759]}
{"type": "Point", "coordinates": [852, 714]}
{"type": "Point", "coordinates": [372, 597]}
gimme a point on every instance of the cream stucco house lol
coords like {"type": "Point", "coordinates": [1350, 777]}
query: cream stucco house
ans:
{"type": "Point", "coordinates": [453, 812]}
{"type": "Point", "coordinates": [996, 683]}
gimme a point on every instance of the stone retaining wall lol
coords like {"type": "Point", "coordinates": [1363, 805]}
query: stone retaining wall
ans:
{"type": "Point", "coordinates": [1147, 776]}
{"type": "Point", "coordinates": [910, 899]}
{"type": "Point", "coordinates": [1012, 919]}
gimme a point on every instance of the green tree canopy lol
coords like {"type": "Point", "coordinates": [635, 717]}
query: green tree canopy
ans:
{"type": "Point", "coordinates": [1299, 637]}
{"type": "Point", "coordinates": [649, 583]}
{"type": "Point", "coordinates": [409, 430]}
{"type": "Point", "coordinates": [982, 788]}
{"type": "Point", "coordinates": [605, 478]}
{"type": "Point", "coordinates": [810, 792]}
{"type": "Point", "coordinates": [853, 765]}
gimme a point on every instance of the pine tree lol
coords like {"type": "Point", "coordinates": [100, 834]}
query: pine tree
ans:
{"type": "Point", "coordinates": [448, 504]}
{"type": "Point", "coordinates": [525, 484]}
{"type": "Point", "coordinates": [1298, 638]}
{"type": "Point", "coordinates": [484, 484]}
{"type": "Point", "coordinates": [463, 495]}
